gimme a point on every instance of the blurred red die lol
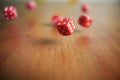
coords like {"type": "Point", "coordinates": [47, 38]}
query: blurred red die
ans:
{"type": "Point", "coordinates": [55, 19]}
{"type": "Point", "coordinates": [10, 13]}
{"type": "Point", "coordinates": [31, 5]}
{"type": "Point", "coordinates": [85, 21]}
{"type": "Point", "coordinates": [85, 8]}
{"type": "Point", "coordinates": [66, 27]}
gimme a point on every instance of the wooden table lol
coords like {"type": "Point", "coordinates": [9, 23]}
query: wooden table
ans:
{"type": "Point", "coordinates": [32, 49]}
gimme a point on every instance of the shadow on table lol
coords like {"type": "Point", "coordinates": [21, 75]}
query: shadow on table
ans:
{"type": "Point", "coordinates": [47, 42]}
{"type": "Point", "coordinates": [48, 25]}
{"type": "Point", "coordinates": [42, 41]}
{"type": "Point", "coordinates": [83, 41]}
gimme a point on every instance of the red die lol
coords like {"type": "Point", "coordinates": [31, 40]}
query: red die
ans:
{"type": "Point", "coordinates": [66, 27]}
{"type": "Point", "coordinates": [31, 5]}
{"type": "Point", "coordinates": [55, 19]}
{"type": "Point", "coordinates": [10, 13]}
{"type": "Point", "coordinates": [85, 8]}
{"type": "Point", "coordinates": [85, 21]}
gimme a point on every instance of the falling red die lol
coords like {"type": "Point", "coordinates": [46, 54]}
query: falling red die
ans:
{"type": "Point", "coordinates": [66, 27]}
{"type": "Point", "coordinates": [85, 21]}
{"type": "Point", "coordinates": [55, 19]}
{"type": "Point", "coordinates": [85, 8]}
{"type": "Point", "coordinates": [10, 13]}
{"type": "Point", "coordinates": [31, 5]}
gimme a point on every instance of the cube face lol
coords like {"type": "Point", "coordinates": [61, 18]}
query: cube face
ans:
{"type": "Point", "coordinates": [66, 27]}
{"type": "Point", "coordinates": [63, 29]}
{"type": "Point", "coordinates": [10, 13]}
{"type": "Point", "coordinates": [72, 24]}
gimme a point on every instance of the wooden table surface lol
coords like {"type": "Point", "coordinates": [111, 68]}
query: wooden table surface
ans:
{"type": "Point", "coordinates": [32, 49]}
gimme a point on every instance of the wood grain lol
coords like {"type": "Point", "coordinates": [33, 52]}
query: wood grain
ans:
{"type": "Point", "coordinates": [32, 49]}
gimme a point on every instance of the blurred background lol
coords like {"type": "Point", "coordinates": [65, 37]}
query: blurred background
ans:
{"type": "Point", "coordinates": [116, 1]}
{"type": "Point", "coordinates": [4, 3]}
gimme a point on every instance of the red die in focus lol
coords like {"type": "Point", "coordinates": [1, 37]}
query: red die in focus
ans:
{"type": "Point", "coordinates": [66, 27]}
{"type": "Point", "coordinates": [85, 21]}
{"type": "Point", "coordinates": [31, 5]}
{"type": "Point", "coordinates": [85, 8]}
{"type": "Point", "coordinates": [10, 13]}
{"type": "Point", "coordinates": [55, 19]}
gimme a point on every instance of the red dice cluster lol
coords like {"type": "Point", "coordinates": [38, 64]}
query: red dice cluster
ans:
{"type": "Point", "coordinates": [65, 26]}
{"type": "Point", "coordinates": [10, 13]}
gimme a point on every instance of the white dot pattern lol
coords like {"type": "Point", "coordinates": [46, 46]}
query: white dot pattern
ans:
{"type": "Point", "coordinates": [67, 19]}
{"type": "Point", "coordinates": [64, 23]}
{"type": "Point", "coordinates": [59, 23]}
{"type": "Point", "coordinates": [10, 8]}
{"type": "Point", "coordinates": [88, 23]}
{"type": "Point", "coordinates": [71, 30]}
{"type": "Point", "coordinates": [10, 13]}
{"type": "Point", "coordinates": [72, 22]}
{"type": "Point", "coordinates": [66, 27]}
{"type": "Point", "coordinates": [6, 8]}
